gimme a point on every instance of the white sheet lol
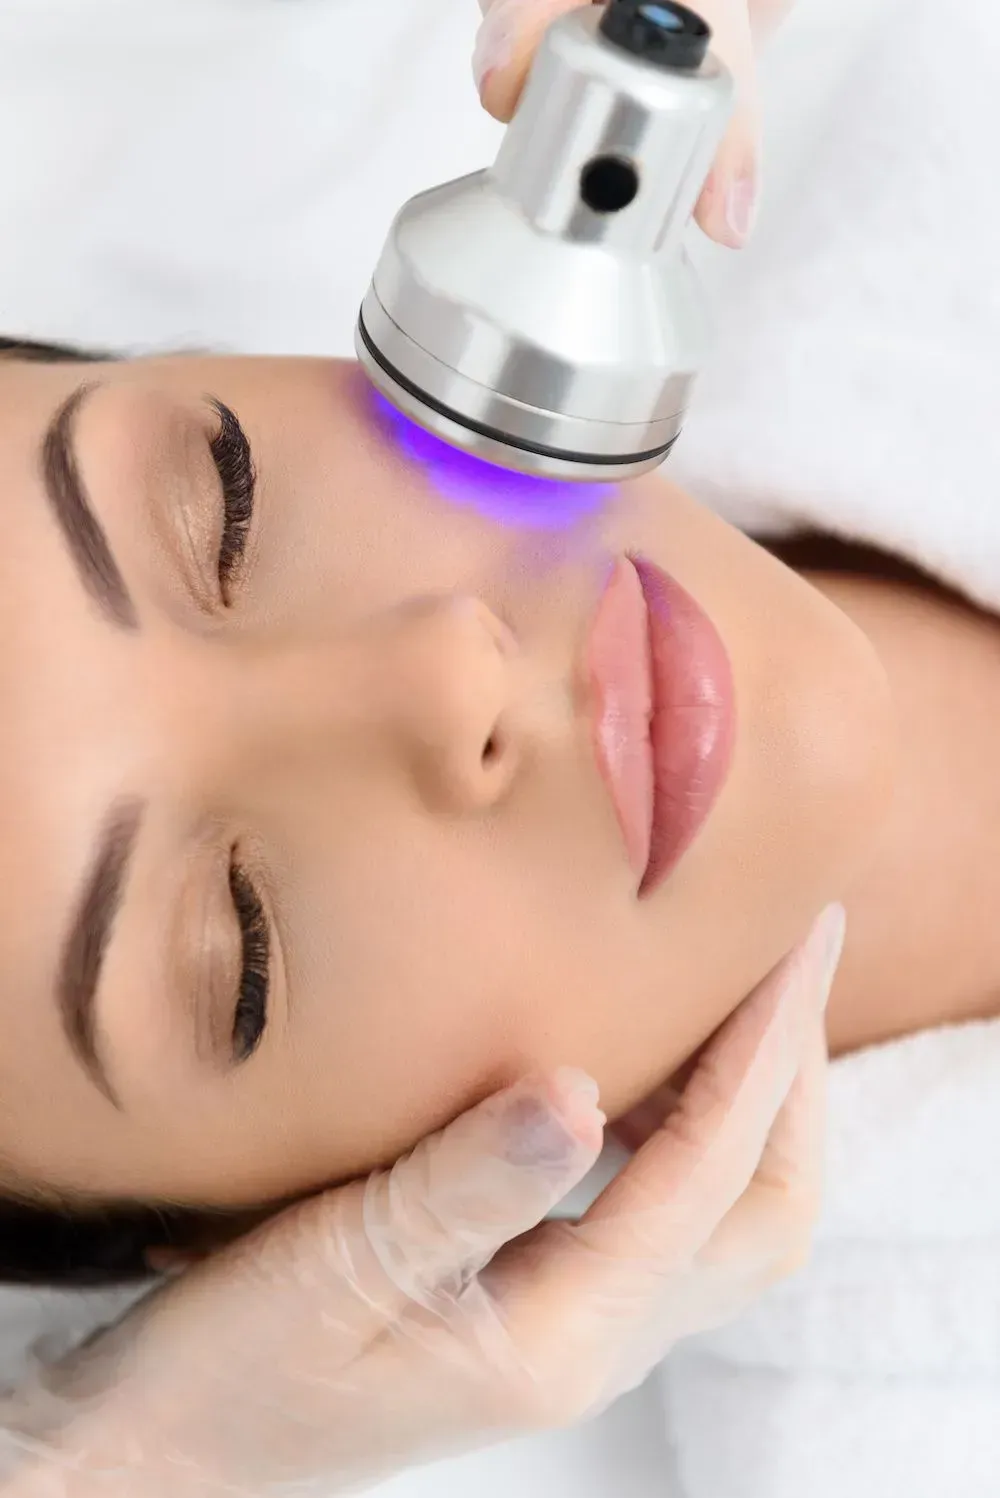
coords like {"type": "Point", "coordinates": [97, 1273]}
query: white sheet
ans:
{"type": "Point", "coordinates": [220, 171]}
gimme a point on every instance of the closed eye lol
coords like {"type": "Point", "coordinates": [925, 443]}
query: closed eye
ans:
{"type": "Point", "coordinates": [234, 460]}
{"type": "Point", "coordinates": [250, 1018]}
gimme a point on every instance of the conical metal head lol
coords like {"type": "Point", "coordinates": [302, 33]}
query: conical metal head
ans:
{"type": "Point", "coordinates": [542, 314]}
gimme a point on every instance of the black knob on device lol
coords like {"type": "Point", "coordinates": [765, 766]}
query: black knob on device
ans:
{"type": "Point", "coordinates": [658, 31]}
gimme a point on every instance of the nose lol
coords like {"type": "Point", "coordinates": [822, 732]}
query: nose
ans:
{"type": "Point", "coordinates": [425, 690]}
{"type": "Point", "coordinates": [445, 686]}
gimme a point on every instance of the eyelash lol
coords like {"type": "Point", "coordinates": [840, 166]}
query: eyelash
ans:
{"type": "Point", "coordinates": [250, 1020]}
{"type": "Point", "coordinates": [238, 476]}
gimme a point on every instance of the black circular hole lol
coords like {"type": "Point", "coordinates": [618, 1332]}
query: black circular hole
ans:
{"type": "Point", "coordinates": [608, 184]}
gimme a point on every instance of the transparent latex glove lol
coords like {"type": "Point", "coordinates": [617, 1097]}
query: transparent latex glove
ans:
{"type": "Point", "coordinates": [510, 34]}
{"type": "Point", "coordinates": [430, 1309]}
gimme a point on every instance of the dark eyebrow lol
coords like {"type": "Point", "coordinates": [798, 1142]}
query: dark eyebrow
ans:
{"type": "Point", "coordinates": [87, 942]}
{"type": "Point", "coordinates": [83, 532]}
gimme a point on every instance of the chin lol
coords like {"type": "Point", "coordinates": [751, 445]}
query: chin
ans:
{"type": "Point", "coordinates": [808, 791]}
{"type": "Point", "coordinates": [829, 754]}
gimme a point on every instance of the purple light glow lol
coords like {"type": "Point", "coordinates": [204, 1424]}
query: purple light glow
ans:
{"type": "Point", "coordinates": [514, 499]}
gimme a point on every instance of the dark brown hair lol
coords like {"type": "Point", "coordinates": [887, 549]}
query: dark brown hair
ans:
{"type": "Point", "coordinates": [30, 352]}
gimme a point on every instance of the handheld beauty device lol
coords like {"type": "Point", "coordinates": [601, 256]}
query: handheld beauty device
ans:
{"type": "Point", "coordinates": [542, 314]}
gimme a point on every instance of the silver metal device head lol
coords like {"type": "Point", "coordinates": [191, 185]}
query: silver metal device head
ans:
{"type": "Point", "coordinates": [543, 314]}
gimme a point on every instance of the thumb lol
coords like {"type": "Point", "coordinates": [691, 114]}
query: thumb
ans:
{"type": "Point", "coordinates": [509, 37]}
{"type": "Point", "coordinates": [442, 1212]}
{"type": "Point", "coordinates": [506, 45]}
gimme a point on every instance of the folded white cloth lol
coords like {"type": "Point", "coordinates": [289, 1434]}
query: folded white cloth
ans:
{"type": "Point", "coordinates": [855, 391]}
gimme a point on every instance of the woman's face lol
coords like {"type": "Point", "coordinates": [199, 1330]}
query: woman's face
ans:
{"type": "Point", "coordinates": [344, 749]}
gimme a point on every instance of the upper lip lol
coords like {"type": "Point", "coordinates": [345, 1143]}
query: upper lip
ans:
{"type": "Point", "coordinates": [662, 713]}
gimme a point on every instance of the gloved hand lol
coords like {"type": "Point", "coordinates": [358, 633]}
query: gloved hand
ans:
{"type": "Point", "coordinates": [424, 1310]}
{"type": "Point", "coordinates": [512, 30]}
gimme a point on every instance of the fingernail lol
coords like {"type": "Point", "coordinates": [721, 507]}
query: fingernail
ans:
{"type": "Point", "coordinates": [829, 933]}
{"type": "Point", "coordinates": [547, 1121]}
{"type": "Point", "coordinates": [496, 38]}
{"type": "Point", "coordinates": [578, 1095]}
{"type": "Point", "coordinates": [741, 202]}
{"type": "Point", "coordinates": [573, 1083]}
{"type": "Point", "coordinates": [538, 1137]}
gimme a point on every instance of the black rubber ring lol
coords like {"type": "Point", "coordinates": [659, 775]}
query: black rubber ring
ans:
{"type": "Point", "coordinates": [493, 433]}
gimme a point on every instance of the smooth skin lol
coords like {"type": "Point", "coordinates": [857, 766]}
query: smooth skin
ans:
{"type": "Point", "coordinates": [434, 1304]}
{"type": "Point", "coordinates": [385, 719]}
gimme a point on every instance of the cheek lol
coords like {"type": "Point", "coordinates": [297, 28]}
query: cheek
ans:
{"type": "Point", "coordinates": [447, 969]}
{"type": "Point", "coordinates": [815, 744]}
{"type": "Point", "coordinates": [345, 532]}
{"type": "Point", "coordinates": [435, 962]}
{"type": "Point", "coordinates": [428, 972]}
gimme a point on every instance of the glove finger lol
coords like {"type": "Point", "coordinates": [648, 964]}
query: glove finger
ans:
{"type": "Point", "coordinates": [349, 1265]}
{"type": "Point", "coordinates": [579, 1302]}
{"type": "Point", "coordinates": [793, 1156]}
{"type": "Point", "coordinates": [674, 1194]}
{"type": "Point", "coordinates": [506, 45]}
{"type": "Point", "coordinates": [766, 16]}
{"type": "Point", "coordinates": [442, 1213]}
{"type": "Point", "coordinates": [686, 1178]}
{"type": "Point", "coordinates": [771, 1227]}
{"type": "Point", "coordinates": [632, 1129]}
{"type": "Point", "coordinates": [767, 1236]}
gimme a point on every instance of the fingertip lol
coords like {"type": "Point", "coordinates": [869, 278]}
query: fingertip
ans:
{"type": "Point", "coordinates": [577, 1095]}
{"type": "Point", "coordinates": [829, 934]}
{"type": "Point", "coordinates": [506, 45]}
{"type": "Point", "coordinates": [169, 1262]}
{"type": "Point", "coordinates": [497, 58]}
{"type": "Point", "coordinates": [727, 208]}
{"type": "Point", "coordinates": [500, 87]}
{"type": "Point", "coordinates": [484, 88]}
{"type": "Point", "coordinates": [553, 1124]}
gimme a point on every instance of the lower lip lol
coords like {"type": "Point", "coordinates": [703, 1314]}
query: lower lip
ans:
{"type": "Point", "coordinates": [666, 757]}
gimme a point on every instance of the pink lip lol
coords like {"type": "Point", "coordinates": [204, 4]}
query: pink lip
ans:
{"type": "Point", "coordinates": [663, 713]}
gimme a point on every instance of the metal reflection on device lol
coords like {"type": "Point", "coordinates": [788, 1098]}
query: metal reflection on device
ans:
{"type": "Point", "coordinates": [542, 314]}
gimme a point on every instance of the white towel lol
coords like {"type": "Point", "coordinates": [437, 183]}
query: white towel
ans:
{"type": "Point", "coordinates": [856, 382]}
{"type": "Point", "coordinates": [856, 389]}
{"type": "Point", "coordinates": [877, 1370]}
